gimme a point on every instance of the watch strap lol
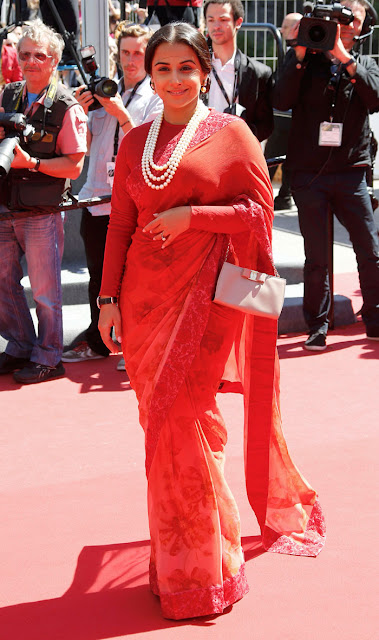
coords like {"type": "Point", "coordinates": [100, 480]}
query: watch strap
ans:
{"type": "Point", "coordinates": [36, 166]}
{"type": "Point", "coordinates": [348, 63]}
{"type": "Point", "coordinates": [102, 301]}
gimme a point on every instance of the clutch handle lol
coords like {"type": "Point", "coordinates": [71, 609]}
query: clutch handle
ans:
{"type": "Point", "coordinates": [255, 276]}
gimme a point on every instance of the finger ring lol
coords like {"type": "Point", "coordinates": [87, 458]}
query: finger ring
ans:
{"type": "Point", "coordinates": [163, 238]}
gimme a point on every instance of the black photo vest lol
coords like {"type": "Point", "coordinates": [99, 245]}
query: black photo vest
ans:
{"type": "Point", "coordinates": [23, 189]}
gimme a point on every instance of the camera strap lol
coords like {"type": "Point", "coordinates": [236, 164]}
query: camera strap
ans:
{"type": "Point", "coordinates": [117, 131]}
{"type": "Point", "coordinates": [337, 71]}
{"type": "Point", "coordinates": [237, 64]}
{"type": "Point", "coordinates": [47, 104]}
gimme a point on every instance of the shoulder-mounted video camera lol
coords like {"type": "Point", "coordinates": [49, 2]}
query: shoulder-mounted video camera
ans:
{"type": "Point", "coordinates": [318, 27]}
{"type": "Point", "coordinates": [103, 87]}
{"type": "Point", "coordinates": [16, 128]}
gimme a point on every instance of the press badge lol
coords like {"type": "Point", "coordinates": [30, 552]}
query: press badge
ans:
{"type": "Point", "coordinates": [110, 173]}
{"type": "Point", "coordinates": [330, 134]}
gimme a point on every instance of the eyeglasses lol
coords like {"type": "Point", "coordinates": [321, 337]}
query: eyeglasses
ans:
{"type": "Point", "coordinates": [39, 56]}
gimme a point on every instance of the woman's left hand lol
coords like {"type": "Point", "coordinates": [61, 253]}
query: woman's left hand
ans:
{"type": "Point", "coordinates": [167, 225]}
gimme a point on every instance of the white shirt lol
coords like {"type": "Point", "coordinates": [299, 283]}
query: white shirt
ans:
{"type": "Point", "coordinates": [144, 107]}
{"type": "Point", "coordinates": [226, 74]}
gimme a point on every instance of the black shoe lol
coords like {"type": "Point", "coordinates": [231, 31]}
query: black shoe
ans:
{"type": "Point", "coordinates": [9, 363]}
{"type": "Point", "coordinates": [373, 333]}
{"type": "Point", "coordinates": [316, 341]}
{"type": "Point", "coordinates": [283, 202]}
{"type": "Point", "coordinates": [34, 372]}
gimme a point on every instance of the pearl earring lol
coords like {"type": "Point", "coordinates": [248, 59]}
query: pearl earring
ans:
{"type": "Point", "coordinates": [203, 88]}
{"type": "Point", "coordinates": [152, 86]}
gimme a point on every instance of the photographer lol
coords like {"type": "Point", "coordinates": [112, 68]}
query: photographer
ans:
{"type": "Point", "coordinates": [35, 185]}
{"type": "Point", "coordinates": [239, 84]}
{"type": "Point", "coordinates": [331, 94]}
{"type": "Point", "coordinates": [134, 104]}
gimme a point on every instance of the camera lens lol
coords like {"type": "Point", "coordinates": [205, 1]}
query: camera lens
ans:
{"type": "Point", "coordinates": [317, 34]}
{"type": "Point", "coordinates": [106, 88]}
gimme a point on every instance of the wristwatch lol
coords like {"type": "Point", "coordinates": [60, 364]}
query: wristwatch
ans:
{"type": "Point", "coordinates": [36, 166]}
{"type": "Point", "coordinates": [101, 301]}
{"type": "Point", "coordinates": [348, 63]}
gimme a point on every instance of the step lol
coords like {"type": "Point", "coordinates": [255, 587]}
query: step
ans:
{"type": "Point", "coordinates": [75, 293]}
{"type": "Point", "coordinates": [292, 319]}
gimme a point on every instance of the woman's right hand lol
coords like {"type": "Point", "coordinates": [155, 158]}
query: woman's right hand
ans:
{"type": "Point", "coordinates": [110, 316]}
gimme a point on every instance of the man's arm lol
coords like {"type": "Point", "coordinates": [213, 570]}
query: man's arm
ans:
{"type": "Point", "coordinates": [366, 82]}
{"type": "Point", "coordinates": [263, 114]}
{"type": "Point", "coordinates": [255, 94]}
{"type": "Point", "coordinates": [288, 82]}
{"type": "Point", "coordinates": [68, 166]}
{"type": "Point", "coordinates": [364, 73]}
{"type": "Point", "coordinates": [287, 86]}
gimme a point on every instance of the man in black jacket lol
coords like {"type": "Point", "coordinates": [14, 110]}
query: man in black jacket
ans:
{"type": "Point", "coordinates": [237, 81]}
{"type": "Point", "coordinates": [331, 95]}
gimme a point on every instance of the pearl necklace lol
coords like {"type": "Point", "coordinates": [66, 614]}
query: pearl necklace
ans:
{"type": "Point", "coordinates": [170, 167]}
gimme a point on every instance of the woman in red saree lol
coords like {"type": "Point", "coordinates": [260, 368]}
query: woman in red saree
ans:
{"type": "Point", "coordinates": [167, 240]}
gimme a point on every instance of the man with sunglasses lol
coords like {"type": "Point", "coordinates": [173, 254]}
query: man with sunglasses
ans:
{"type": "Point", "coordinates": [36, 182]}
{"type": "Point", "coordinates": [331, 94]}
{"type": "Point", "coordinates": [134, 104]}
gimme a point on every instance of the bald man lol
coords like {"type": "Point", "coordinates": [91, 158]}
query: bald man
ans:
{"type": "Point", "coordinates": [289, 24]}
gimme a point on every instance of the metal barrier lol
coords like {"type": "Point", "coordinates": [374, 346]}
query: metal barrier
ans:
{"type": "Point", "coordinates": [264, 28]}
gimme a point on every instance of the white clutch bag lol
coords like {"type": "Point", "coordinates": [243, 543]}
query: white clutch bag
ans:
{"type": "Point", "coordinates": [250, 291]}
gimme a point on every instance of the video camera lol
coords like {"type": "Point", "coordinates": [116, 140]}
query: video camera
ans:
{"type": "Point", "coordinates": [103, 87]}
{"type": "Point", "coordinates": [318, 27]}
{"type": "Point", "coordinates": [16, 127]}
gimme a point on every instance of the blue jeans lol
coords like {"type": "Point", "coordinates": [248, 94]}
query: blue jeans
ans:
{"type": "Point", "coordinates": [346, 193]}
{"type": "Point", "coordinates": [40, 238]}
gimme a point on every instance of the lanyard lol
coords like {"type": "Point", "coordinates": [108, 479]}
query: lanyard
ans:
{"type": "Point", "coordinates": [237, 63]}
{"type": "Point", "coordinates": [47, 104]}
{"type": "Point", "coordinates": [117, 131]}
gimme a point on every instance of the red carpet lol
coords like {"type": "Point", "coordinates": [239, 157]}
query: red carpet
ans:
{"type": "Point", "coordinates": [74, 537]}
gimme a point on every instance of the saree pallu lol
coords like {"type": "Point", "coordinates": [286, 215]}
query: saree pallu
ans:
{"type": "Point", "coordinates": [176, 343]}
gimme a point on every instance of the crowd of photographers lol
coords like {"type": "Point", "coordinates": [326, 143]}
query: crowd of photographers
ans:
{"type": "Point", "coordinates": [326, 87]}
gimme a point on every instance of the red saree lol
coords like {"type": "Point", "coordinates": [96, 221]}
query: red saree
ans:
{"type": "Point", "coordinates": [176, 343]}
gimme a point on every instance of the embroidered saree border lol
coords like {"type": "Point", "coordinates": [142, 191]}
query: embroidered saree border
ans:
{"type": "Point", "coordinates": [200, 602]}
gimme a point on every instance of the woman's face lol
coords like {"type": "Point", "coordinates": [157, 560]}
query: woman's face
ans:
{"type": "Point", "coordinates": [177, 76]}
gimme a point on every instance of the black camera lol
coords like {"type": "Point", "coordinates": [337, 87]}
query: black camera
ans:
{"type": "Point", "coordinates": [318, 28]}
{"type": "Point", "coordinates": [103, 87]}
{"type": "Point", "coordinates": [16, 127]}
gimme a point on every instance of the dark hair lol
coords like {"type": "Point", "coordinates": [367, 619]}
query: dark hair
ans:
{"type": "Point", "coordinates": [236, 6]}
{"type": "Point", "coordinates": [183, 33]}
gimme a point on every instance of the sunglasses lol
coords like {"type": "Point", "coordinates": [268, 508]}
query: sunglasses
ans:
{"type": "Point", "coordinates": [39, 56]}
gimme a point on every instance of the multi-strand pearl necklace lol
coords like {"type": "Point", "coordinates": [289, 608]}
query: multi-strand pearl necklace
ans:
{"type": "Point", "coordinates": [170, 167]}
